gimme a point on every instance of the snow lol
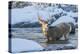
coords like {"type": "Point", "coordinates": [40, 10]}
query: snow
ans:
{"type": "Point", "coordinates": [27, 14]}
{"type": "Point", "coordinates": [58, 10]}
{"type": "Point", "coordinates": [63, 5]}
{"type": "Point", "coordinates": [21, 45]}
{"type": "Point", "coordinates": [23, 14]}
{"type": "Point", "coordinates": [54, 10]}
{"type": "Point", "coordinates": [49, 9]}
{"type": "Point", "coordinates": [72, 14]}
{"type": "Point", "coordinates": [30, 14]}
{"type": "Point", "coordinates": [62, 19]}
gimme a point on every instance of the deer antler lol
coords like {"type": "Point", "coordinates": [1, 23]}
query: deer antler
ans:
{"type": "Point", "coordinates": [40, 20]}
{"type": "Point", "coordinates": [50, 20]}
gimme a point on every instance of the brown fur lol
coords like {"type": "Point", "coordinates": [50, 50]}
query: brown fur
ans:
{"type": "Point", "coordinates": [55, 32]}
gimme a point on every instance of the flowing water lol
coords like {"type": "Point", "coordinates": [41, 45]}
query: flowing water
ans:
{"type": "Point", "coordinates": [36, 35]}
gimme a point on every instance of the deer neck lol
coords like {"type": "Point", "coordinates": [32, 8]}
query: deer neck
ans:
{"type": "Point", "coordinates": [44, 31]}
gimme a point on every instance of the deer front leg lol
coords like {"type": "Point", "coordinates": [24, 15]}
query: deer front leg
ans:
{"type": "Point", "coordinates": [48, 40]}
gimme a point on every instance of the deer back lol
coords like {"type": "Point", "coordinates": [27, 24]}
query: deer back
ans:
{"type": "Point", "coordinates": [58, 31]}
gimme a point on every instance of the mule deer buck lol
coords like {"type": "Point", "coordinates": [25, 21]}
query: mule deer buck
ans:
{"type": "Point", "coordinates": [56, 32]}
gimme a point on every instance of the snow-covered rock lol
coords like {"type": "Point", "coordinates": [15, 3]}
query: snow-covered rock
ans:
{"type": "Point", "coordinates": [58, 10]}
{"type": "Point", "coordinates": [21, 45]}
{"type": "Point", "coordinates": [62, 19]}
{"type": "Point", "coordinates": [72, 14]}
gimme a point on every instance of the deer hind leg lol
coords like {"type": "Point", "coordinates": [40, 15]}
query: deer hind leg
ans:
{"type": "Point", "coordinates": [63, 37]}
{"type": "Point", "coordinates": [66, 36]}
{"type": "Point", "coordinates": [67, 33]}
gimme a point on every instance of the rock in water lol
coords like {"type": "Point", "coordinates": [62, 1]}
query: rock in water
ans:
{"type": "Point", "coordinates": [68, 46]}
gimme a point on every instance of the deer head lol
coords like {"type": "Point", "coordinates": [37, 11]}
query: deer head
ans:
{"type": "Point", "coordinates": [44, 25]}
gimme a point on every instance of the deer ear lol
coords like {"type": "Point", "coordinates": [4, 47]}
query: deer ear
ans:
{"type": "Point", "coordinates": [40, 21]}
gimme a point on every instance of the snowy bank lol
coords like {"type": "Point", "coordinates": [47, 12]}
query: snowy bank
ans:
{"type": "Point", "coordinates": [21, 45]}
